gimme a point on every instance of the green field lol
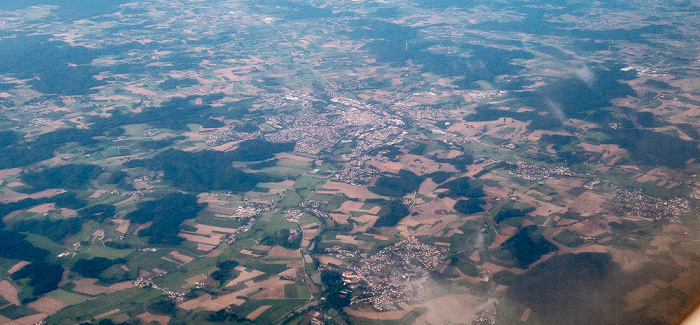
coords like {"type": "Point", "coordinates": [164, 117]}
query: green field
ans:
{"type": "Point", "coordinates": [279, 308]}
{"type": "Point", "coordinates": [125, 300]}
{"type": "Point", "coordinates": [98, 250]}
{"type": "Point", "coordinates": [208, 218]}
{"type": "Point", "coordinates": [14, 312]}
{"type": "Point", "coordinates": [47, 244]}
{"type": "Point", "coordinates": [68, 298]}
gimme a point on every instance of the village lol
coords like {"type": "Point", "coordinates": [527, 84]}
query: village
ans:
{"type": "Point", "coordinates": [533, 172]}
{"type": "Point", "coordinates": [394, 274]}
{"type": "Point", "coordinates": [642, 205]}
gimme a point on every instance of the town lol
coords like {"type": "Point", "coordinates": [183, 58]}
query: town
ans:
{"type": "Point", "coordinates": [533, 172]}
{"type": "Point", "coordinates": [642, 205]}
{"type": "Point", "coordinates": [394, 274]}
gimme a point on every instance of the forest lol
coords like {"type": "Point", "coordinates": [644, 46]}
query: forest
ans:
{"type": "Point", "coordinates": [43, 276]}
{"type": "Point", "coordinates": [167, 214]}
{"type": "Point", "coordinates": [527, 246]}
{"type": "Point", "coordinates": [397, 186]}
{"type": "Point", "coordinates": [76, 176]}
{"type": "Point", "coordinates": [397, 211]}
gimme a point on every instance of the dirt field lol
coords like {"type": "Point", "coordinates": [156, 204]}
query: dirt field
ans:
{"type": "Point", "coordinates": [498, 240]}
{"type": "Point", "coordinates": [258, 312]}
{"type": "Point", "coordinates": [427, 187]}
{"type": "Point", "coordinates": [181, 257]}
{"type": "Point", "coordinates": [64, 278]}
{"type": "Point", "coordinates": [149, 318]}
{"type": "Point", "coordinates": [475, 256]}
{"type": "Point", "coordinates": [498, 192]}
{"type": "Point", "coordinates": [29, 320]}
{"type": "Point", "coordinates": [4, 173]}
{"type": "Point", "coordinates": [290, 272]}
{"type": "Point", "coordinates": [244, 276]}
{"type": "Point", "coordinates": [386, 167]}
{"type": "Point", "coordinates": [47, 305]}
{"type": "Point", "coordinates": [195, 303]}
{"type": "Point", "coordinates": [98, 234]}
{"type": "Point", "coordinates": [348, 206]}
{"type": "Point", "coordinates": [12, 196]}
{"type": "Point", "coordinates": [427, 211]}
{"type": "Point", "coordinates": [272, 293]}
{"type": "Point", "coordinates": [11, 215]}
{"type": "Point", "coordinates": [493, 268]}
{"type": "Point", "coordinates": [142, 227]}
{"type": "Point", "coordinates": [544, 208]}
{"type": "Point", "coordinates": [374, 210]}
{"type": "Point", "coordinates": [8, 292]}
{"type": "Point", "coordinates": [208, 248]}
{"type": "Point", "coordinates": [420, 165]}
{"type": "Point", "coordinates": [68, 212]}
{"type": "Point", "coordinates": [347, 239]}
{"type": "Point", "coordinates": [329, 260]}
{"type": "Point", "coordinates": [351, 191]}
{"type": "Point", "coordinates": [277, 191]}
{"type": "Point", "coordinates": [232, 298]}
{"type": "Point", "coordinates": [121, 285]}
{"type": "Point", "coordinates": [526, 314]}
{"type": "Point", "coordinates": [226, 146]}
{"type": "Point", "coordinates": [367, 219]}
{"type": "Point", "coordinates": [340, 218]}
{"type": "Point", "coordinates": [249, 253]}
{"type": "Point", "coordinates": [309, 235]}
{"type": "Point", "coordinates": [98, 193]}
{"type": "Point", "coordinates": [287, 182]}
{"type": "Point", "coordinates": [43, 208]}
{"type": "Point", "coordinates": [123, 225]}
{"type": "Point", "coordinates": [201, 239]}
{"type": "Point", "coordinates": [17, 267]}
{"type": "Point", "coordinates": [88, 286]}
{"type": "Point", "coordinates": [293, 157]}
{"type": "Point", "coordinates": [586, 203]}
{"type": "Point", "coordinates": [223, 301]}
{"type": "Point", "coordinates": [278, 251]}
